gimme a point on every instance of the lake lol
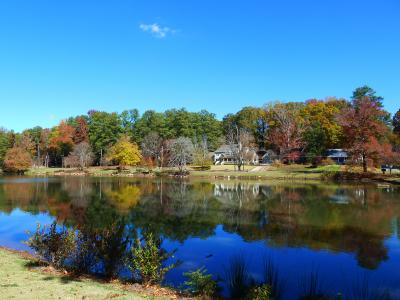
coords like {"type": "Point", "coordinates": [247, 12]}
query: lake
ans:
{"type": "Point", "coordinates": [346, 234]}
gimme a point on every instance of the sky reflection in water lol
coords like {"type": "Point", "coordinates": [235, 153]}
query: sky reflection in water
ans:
{"type": "Point", "coordinates": [345, 232]}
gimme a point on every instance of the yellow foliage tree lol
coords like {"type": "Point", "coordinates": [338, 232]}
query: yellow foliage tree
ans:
{"type": "Point", "coordinates": [324, 113]}
{"type": "Point", "coordinates": [125, 153]}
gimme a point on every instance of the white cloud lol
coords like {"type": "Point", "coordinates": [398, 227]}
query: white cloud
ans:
{"type": "Point", "coordinates": [156, 30]}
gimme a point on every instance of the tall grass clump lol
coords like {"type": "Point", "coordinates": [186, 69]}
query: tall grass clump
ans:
{"type": "Point", "coordinates": [311, 287]}
{"type": "Point", "coordinates": [273, 279]}
{"type": "Point", "coordinates": [362, 290]}
{"type": "Point", "coordinates": [237, 278]}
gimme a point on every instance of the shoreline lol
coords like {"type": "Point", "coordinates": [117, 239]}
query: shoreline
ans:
{"type": "Point", "coordinates": [30, 266]}
{"type": "Point", "coordinates": [299, 173]}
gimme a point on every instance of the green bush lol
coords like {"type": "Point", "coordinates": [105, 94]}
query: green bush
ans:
{"type": "Point", "coordinates": [148, 258]}
{"type": "Point", "coordinates": [52, 245]}
{"type": "Point", "coordinates": [200, 283]}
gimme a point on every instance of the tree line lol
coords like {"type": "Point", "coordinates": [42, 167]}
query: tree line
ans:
{"type": "Point", "coordinates": [296, 131]}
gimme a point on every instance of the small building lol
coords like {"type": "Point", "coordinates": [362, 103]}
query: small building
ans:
{"type": "Point", "coordinates": [266, 157]}
{"type": "Point", "coordinates": [339, 156]}
{"type": "Point", "coordinates": [223, 155]}
{"type": "Point", "coordinates": [226, 155]}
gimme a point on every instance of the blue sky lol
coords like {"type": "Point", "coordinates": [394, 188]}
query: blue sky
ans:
{"type": "Point", "coordinates": [62, 58]}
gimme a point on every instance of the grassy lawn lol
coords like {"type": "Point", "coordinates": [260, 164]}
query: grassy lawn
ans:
{"type": "Point", "coordinates": [18, 282]}
{"type": "Point", "coordinates": [283, 172]}
{"type": "Point", "coordinates": [300, 172]}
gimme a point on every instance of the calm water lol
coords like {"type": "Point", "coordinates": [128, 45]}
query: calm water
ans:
{"type": "Point", "coordinates": [347, 234]}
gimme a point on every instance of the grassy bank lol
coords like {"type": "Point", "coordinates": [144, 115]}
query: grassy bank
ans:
{"type": "Point", "coordinates": [283, 172]}
{"type": "Point", "coordinates": [21, 280]}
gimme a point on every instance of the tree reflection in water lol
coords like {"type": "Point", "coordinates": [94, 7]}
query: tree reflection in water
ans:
{"type": "Point", "coordinates": [108, 212]}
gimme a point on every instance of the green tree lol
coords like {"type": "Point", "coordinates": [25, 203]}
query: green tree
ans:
{"type": "Point", "coordinates": [206, 127]}
{"type": "Point", "coordinates": [254, 120]}
{"type": "Point", "coordinates": [366, 91]}
{"type": "Point", "coordinates": [396, 123]}
{"type": "Point", "coordinates": [104, 131]}
{"type": "Point", "coordinates": [5, 144]}
{"type": "Point", "coordinates": [180, 122]}
{"type": "Point", "coordinates": [315, 139]}
{"type": "Point", "coordinates": [128, 121]}
{"type": "Point", "coordinates": [35, 137]}
{"type": "Point", "coordinates": [151, 121]}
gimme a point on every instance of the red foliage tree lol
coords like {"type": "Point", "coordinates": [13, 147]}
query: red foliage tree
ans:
{"type": "Point", "coordinates": [364, 130]}
{"type": "Point", "coordinates": [81, 133]}
{"type": "Point", "coordinates": [62, 139]}
{"type": "Point", "coordinates": [286, 132]}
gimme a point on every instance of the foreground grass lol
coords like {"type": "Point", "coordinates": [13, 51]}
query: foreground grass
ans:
{"type": "Point", "coordinates": [19, 282]}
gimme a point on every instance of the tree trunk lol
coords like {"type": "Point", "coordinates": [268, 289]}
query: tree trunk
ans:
{"type": "Point", "coordinates": [365, 166]}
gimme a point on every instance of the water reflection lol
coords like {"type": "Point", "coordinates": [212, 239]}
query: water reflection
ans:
{"type": "Point", "coordinates": [353, 219]}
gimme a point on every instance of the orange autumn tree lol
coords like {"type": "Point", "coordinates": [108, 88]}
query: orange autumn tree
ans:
{"type": "Point", "coordinates": [17, 160]}
{"type": "Point", "coordinates": [81, 131]}
{"type": "Point", "coordinates": [61, 140]}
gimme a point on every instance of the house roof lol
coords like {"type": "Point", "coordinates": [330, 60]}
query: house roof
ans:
{"type": "Point", "coordinates": [332, 153]}
{"type": "Point", "coordinates": [224, 149]}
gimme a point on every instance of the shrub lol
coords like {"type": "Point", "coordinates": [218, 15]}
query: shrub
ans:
{"type": "Point", "coordinates": [200, 283]}
{"type": "Point", "coordinates": [316, 161]}
{"type": "Point", "coordinates": [327, 162]}
{"type": "Point", "coordinates": [148, 258]}
{"type": "Point", "coordinates": [52, 245]}
{"type": "Point", "coordinates": [262, 292]}
{"type": "Point", "coordinates": [85, 254]}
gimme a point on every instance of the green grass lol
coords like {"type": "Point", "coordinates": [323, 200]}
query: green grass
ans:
{"type": "Point", "coordinates": [299, 172]}
{"type": "Point", "coordinates": [322, 169]}
{"type": "Point", "coordinates": [17, 281]}
{"type": "Point", "coordinates": [283, 172]}
{"type": "Point", "coordinates": [287, 172]}
{"type": "Point", "coordinates": [92, 171]}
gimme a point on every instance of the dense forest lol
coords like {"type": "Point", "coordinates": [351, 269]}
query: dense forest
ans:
{"type": "Point", "coordinates": [296, 131]}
